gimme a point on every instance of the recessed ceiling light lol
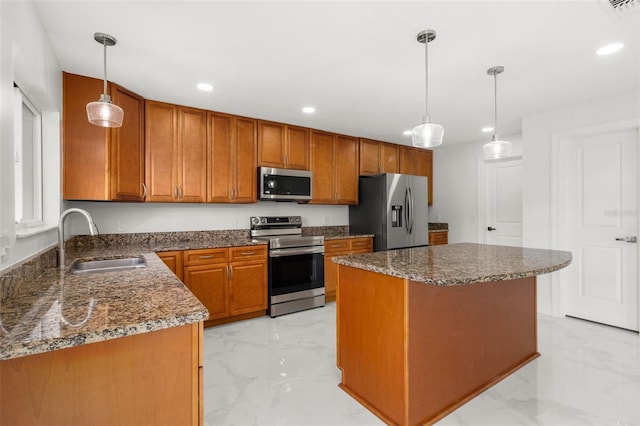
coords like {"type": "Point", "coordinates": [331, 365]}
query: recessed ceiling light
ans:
{"type": "Point", "coordinates": [205, 87]}
{"type": "Point", "coordinates": [487, 129]}
{"type": "Point", "coordinates": [407, 133]}
{"type": "Point", "coordinates": [309, 109]}
{"type": "Point", "coordinates": [609, 48]}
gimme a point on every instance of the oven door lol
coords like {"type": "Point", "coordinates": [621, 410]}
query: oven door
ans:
{"type": "Point", "coordinates": [295, 269]}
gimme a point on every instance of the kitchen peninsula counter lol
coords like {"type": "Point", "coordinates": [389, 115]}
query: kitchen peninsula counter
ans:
{"type": "Point", "coordinates": [423, 330]}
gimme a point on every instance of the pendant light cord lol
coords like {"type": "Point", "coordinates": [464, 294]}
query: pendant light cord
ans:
{"type": "Point", "coordinates": [426, 79]}
{"type": "Point", "coordinates": [495, 103]}
{"type": "Point", "coordinates": [104, 43]}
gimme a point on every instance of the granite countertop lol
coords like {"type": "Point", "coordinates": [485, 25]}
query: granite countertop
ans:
{"type": "Point", "coordinates": [346, 236]}
{"type": "Point", "coordinates": [57, 309]}
{"type": "Point", "coordinates": [438, 227]}
{"type": "Point", "coordinates": [462, 263]}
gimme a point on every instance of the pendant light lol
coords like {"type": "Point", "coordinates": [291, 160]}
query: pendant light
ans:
{"type": "Point", "coordinates": [496, 148]}
{"type": "Point", "coordinates": [428, 134]}
{"type": "Point", "coordinates": [103, 112]}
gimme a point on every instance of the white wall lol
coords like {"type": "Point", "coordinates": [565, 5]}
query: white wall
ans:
{"type": "Point", "coordinates": [157, 217]}
{"type": "Point", "coordinates": [27, 58]}
{"type": "Point", "coordinates": [455, 191]}
{"type": "Point", "coordinates": [537, 133]}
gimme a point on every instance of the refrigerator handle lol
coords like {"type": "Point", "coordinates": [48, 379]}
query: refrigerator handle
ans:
{"type": "Point", "coordinates": [410, 211]}
{"type": "Point", "coordinates": [406, 210]}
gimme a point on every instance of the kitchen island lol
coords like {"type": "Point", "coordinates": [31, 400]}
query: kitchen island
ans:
{"type": "Point", "coordinates": [421, 331]}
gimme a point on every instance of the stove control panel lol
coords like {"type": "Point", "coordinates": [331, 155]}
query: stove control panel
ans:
{"type": "Point", "coordinates": [261, 222]}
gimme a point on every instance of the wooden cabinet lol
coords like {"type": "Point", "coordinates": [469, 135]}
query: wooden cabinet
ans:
{"type": "Point", "coordinates": [176, 153]}
{"type": "Point", "coordinates": [334, 163]}
{"type": "Point", "coordinates": [283, 146]}
{"type": "Point", "coordinates": [418, 161]}
{"type": "Point", "coordinates": [173, 259]}
{"type": "Point", "coordinates": [438, 238]}
{"type": "Point", "coordinates": [378, 157]}
{"type": "Point", "coordinates": [144, 379]}
{"type": "Point", "coordinates": [230, 282]}
{"type": "Point", "coordinates": [340, 247]}
{"type": "Point", "coordinates": [99, 163]}
{"type": "Point", "coordinates": [232, 159]}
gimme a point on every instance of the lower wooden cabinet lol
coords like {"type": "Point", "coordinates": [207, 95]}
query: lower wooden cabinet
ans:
{"type": "Point", "coordinates": [145, 379]}
{"type": "Point", "coordinates": [230, 282]}
{"type": "Point", "coordinates": [173, 259]}
{"type": "Point", "coordinates": [438, 238]}
{"type": "Point", "coordinates": [340, 247]}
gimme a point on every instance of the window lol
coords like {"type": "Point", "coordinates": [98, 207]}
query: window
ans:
{"type": "Point", "coordinates": [27, 163]}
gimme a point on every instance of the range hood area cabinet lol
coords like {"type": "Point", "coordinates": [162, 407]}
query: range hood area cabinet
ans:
{"type": "Point", "coordinates": [176, 153]}
{"type": "Point", "coordinates": [283, 146]}
{"type": "Point", "coordinates": [334, 163]}
{"type": "Point", "coordinates": [98, 163]}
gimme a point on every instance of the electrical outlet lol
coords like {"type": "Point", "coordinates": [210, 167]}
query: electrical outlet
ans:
{"type": "Point", "coordinates": [324, 220]}
{"type": "Point", "coordinates": [121, 225]}
{"type": "Point", "coordinates": [233, 221]}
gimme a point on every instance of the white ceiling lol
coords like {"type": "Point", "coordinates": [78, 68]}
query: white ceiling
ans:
{"type": "Point", "coordinates": [357, 62]}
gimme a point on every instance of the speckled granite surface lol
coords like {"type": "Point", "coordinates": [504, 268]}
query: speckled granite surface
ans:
{"type": "Point", "coordinates": [457, 264]}
{"type": "Point", "coordinates": [438, 226]}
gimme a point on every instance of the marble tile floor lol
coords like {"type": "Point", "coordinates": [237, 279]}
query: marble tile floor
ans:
{"type": "Point", "coordinates": [283, 371]}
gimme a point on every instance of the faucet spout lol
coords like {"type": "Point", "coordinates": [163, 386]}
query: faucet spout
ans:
{"type": "Point", "coordinates": [92, 229]}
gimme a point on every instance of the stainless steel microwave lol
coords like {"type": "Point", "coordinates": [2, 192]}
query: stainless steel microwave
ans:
{"type": "Point", "coordinates": [284, 184]}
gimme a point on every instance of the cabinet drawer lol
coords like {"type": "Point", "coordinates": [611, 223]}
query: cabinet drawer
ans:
{"type": "Point", "coordinates": [438, 238]}
{"type": "Point", "coordinates": [361, 244]}
{"type": "Point", "coordinates": [336, 246]}
{"type": "Point", "coordinates": [205, 256]}
{"type": "Point", "coordinates": [247, 253]}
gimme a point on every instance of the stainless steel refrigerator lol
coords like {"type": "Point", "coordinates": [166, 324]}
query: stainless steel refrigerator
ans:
{"type": "Point", "coordinates": [393, 207]}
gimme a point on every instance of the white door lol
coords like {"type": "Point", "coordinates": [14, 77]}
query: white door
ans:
{"type": "Point", "coordinates": [602, 214]}
{"type": "Point", "coordinates": [504, 203]}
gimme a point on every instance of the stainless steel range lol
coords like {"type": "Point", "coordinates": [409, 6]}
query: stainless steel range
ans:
{"type": "Point", "coordinates": [296, 264]}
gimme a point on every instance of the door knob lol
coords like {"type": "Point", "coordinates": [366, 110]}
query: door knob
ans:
{"type": "Point", "coordinates": [491, 228]}
{"type": "Point", "coordinates": [627, 239]}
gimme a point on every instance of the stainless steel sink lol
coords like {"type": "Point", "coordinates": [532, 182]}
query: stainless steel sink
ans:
{"type": "Point", "coordinates": [84, 266]}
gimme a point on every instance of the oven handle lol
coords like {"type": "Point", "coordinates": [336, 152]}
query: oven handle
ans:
{"type": "Point", "coordinates": [296, 251]}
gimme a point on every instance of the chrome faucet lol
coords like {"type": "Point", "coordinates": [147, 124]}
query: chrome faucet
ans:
{"type": "Point", "coordinates": [92, 228]}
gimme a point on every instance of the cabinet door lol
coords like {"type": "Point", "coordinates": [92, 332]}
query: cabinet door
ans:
{"type": "Point", "coordinates": [209, 284]}
{"type": "Point", "coordinates": [297, 156]}
{"type": "Point", "coordinates": [271, 144]}
{"type": "Point", "coordinates": [424, 167]}
{"type": "Point", "coordinates": [173, 259]}
{"type": "Point", "coordinates": [407, 160]}
{"type": "Point", "coordinates": [389, 158]}
{"type": "Point", "coordinates": [161, 153]}
{"type": "Point", "coordinates": [221, 158]}
{"type": "Point", "coordinates": [331, 276]}
{"type": "Point", "coordinates": [248, 287]}
{"type": "Point", "coordinates": [322, 167]}
{"type": "Point", "coordinates": [127, 147]}
{"type": "Point", "coordinates": [361, 245]}
{"type": "Point", "coordinates": [369, 157]}
{"type": "Point", "coordinates": [346, 156]}
{"type": "Point", "coordinates": [246, 161]}
{"type": "Point", "coordinates": [85, 174]}
{"type": "Point", "coordinates": [192, 157]}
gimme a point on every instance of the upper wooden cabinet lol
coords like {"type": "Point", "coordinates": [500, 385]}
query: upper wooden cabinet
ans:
{"type": "Point", "coordinates": [232, 167]}
{"type": "Point", "coordinates": [334, 163]}
{"type": "Point", "coordinates": [176, 153]}
{"type": "Point", "coordinates": [378, 157]}
{"type": "Point", "coordinates": [283, 146]}
{"type": "Point", "coordinates": [99, 163]}
{"type": "Point", "coordinates": [418, 161]}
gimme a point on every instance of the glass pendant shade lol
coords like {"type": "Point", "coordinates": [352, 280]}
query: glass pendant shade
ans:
{"type": "Point", "coordinates": [496, 149]}
{"type": "Point", "coordinates": [104, 113]}
{"type": "Point", "coordinates": [427, 135]}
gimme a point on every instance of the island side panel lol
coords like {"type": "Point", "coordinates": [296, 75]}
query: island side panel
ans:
{"type": "Point", "coordinates": [371, 335]}
{"type": "Point", "coordinates": [149, 378]}
{"type": "Point", "coordinates": [463, 339]}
